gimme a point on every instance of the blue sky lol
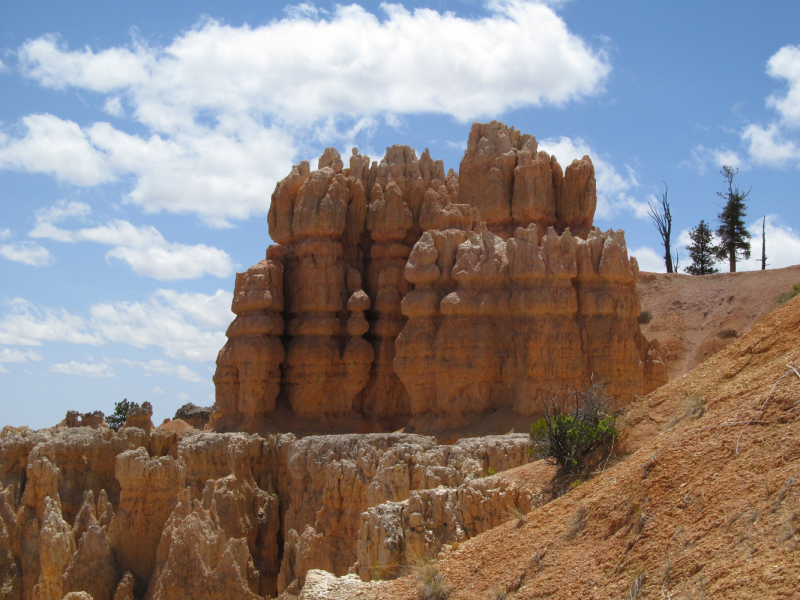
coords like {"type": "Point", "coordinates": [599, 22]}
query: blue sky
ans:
{"type": "Point", "coordinates": [140, 143]}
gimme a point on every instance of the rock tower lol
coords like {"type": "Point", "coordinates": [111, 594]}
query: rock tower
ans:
{"type": "Point", "coordinates": [395, 290]}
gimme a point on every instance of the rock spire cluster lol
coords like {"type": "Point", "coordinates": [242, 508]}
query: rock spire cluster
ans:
{"type": "Point", "coordinates": [395, 290]}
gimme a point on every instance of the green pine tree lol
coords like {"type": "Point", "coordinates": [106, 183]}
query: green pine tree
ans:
{"type": "Point", "coordinates": [734, 238]}
{"type": "Point", "coordinates": [702, 251]}
{"type": "Point", "coordinates": [121, 409]}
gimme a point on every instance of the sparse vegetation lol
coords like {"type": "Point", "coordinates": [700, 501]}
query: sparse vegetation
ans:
{"type": "Point", "coordinates": [426, 571]}
{"type": "Point", "coordinates": [786, 296]}
{"type": "Point", "coordinates": [637, 584]}
{"type": "Point", "coordinates": [727, 334]}
{"type": "Point", "coordinates": [644, 317]}
{"type": "Point", "coordinates": [121, 409]}
{"type": "Point", "coordinates": [577, 522]}
{"type": "Point", "coordinates": [577, 430]}
{"type": "Point", "coordinates": [516, 513]}
{"type": "Point", "coordinates": [733, 235]}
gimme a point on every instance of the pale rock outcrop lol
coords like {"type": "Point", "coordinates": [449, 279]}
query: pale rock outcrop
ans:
{"type": "Point", "coordinates": [140, 417]}
{"type": "Point", "coordinates": [334, 479]}
{"type": "Point", "coordinates": [93, 567]}
{"type": "Point", "coordinates": [149, 492]}
{"type": "Point", "coordinates": [394, 534]}
{"type": "Point", "coordinates": [196, 559]}
{"type": "Point", "coordinates": [321, 585]}
{"type": "Point", "coordinates": [57, 547]}
{"type": "Point", "coordinates": [196, 416]}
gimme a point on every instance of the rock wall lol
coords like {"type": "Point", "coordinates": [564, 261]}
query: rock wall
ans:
{"type": "Point", "coordinates": [188, 514]}
{"type": "Point", "coordinates": [394, 290]}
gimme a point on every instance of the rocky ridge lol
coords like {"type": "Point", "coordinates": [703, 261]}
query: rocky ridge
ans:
{"type": "Point", "coordinates": [187, 514]}
{"type": "Point", "coordinates": [389, 282]}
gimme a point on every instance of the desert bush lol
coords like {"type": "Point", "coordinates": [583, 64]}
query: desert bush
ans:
{"type": "Point", "coordinates": [786, 296]}
{"type": "Point", "coordinates": [727, 333]}
{"type": "Point", "coordinates": [644, 317]}
{"type": "Point", "coordinates": [426, 571]}
{"type": "Point", "coordinates": [121, 409]}
{"type": "Point", "coordinates": [637, 584]}
{"type": "Point", "coordinates": [576, 430]}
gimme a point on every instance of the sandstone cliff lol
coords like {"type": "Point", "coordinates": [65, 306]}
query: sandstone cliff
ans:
{"type": "Point", "coordinates": [395, 290]}
{"type": "Point", "coordinates": [187, 514]}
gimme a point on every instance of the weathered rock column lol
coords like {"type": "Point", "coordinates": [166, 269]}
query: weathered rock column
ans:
{"type": "Point", "coordinates": [248, 366]}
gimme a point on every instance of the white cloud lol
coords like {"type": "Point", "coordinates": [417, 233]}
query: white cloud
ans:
{"type": "Point", "coordinates": [183, 396]}
{"type": "Point", "coordinates": [25, 324]}
{"type": "Point", "coordinates": [785, 64]}
{"type": "Point", "coordinates": [777, 144]}
{"type": "Point", "coordinates": [3, 369]}
{"type": "Point", "coordinates": [5, 234]}
{"type": "Point", "coordinates": [186, 326]}
{"type": "Point", "coordinates": [4, 68]}
{"type": "Point", "coordinates": [143, 248]}
{"type": "Point", "coordinates": [160, 366]}
{"type": "Point", "coordinates": [29, 253]}
{"type": "Point", "coordinates": [717, 157]}
{"type": "Point", "coordinates": [303, 68]}
{"type": "Point", "coordinates": [170, 320]}
{"type": "Point", "coordinates": [769, 146]}
{"type": "Point", "coordinates": [613, 189]}
{"type": "Point", "coordinates": [56, 147]}
{"type": "Point", "coordinates": [113, 106]}
{"type": "Point", "coordinates": [782, 248]}
{"type": "Point", "coordinates": [14, 355]}
{"type": "Point", "coordinates": [158, 390]}
{"type": "Point", "coordinates": [223, 105]}
{"type": "Point", "coordinates": [86, 369]}
{"type": "Point", "coordinates": [649, 260]}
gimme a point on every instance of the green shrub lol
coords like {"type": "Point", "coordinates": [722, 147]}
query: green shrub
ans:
{"type": "Point", "coordinates": [727, 333]}
{"type": "Point", "coordinates": [576, 430]}
{"type": "Point", "coordinates": [786, 296]}
{"type": "Point", "coordinates": [644, 317]}
{"type": "Point", "coordinates": [121, 409]}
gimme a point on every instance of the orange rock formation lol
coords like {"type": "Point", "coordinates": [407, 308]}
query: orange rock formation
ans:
{"type": "Point", "coordinates": [394, 290]}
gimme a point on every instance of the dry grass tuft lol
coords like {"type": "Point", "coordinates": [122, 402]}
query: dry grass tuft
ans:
{"type": "Point", "coordinates": [426, 571]}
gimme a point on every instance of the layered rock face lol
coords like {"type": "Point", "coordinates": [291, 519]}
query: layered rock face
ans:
{"type": "Point", "coordinates": [394, 290]}
{"type": "Point", "coordinates": [188, 514]}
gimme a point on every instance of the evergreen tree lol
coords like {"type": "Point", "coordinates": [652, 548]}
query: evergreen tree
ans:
{"type": "Point", "coordinates": [734, 237]}
{"type": "Point", "coordinates": [702, 251]}
{"type": "Point", "coordinates": [121, 409]}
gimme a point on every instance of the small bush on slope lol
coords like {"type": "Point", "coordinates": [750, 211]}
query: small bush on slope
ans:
{"type": "Point", "coordinates": [576, 431]}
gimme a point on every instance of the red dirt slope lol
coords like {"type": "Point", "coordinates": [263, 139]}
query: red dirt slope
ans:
{"type": "Point", "coordinates": [706, 506]}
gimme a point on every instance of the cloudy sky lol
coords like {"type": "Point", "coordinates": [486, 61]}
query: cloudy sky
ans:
{"type": "Point", "coordinates": [140, 143]}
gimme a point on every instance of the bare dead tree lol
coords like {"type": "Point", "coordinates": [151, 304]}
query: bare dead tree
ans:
{"type": "Point", "coordinates": [763, 244]}
{"type": "Point", "coordinates": [662, 218]}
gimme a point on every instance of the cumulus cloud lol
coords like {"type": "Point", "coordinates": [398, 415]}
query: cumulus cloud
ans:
{"type": "Point", "coordinates": [160, 366]}
{"type": "Point", "coordinates": [5, 234]}
{"type": "Point", "coordinates": [770, 147]}
{"type": "Point", "coordinates": [57, 147]}
{"type": "Point", "coordinates": [28, 253]}
{"type": "Point", "coordinates": [85, 369]}
{"type": "Point", "coordinates": [614, 190]}
{"type": "Point", "coordinates": [186, 326]}
{"type": "Point", "coordinates": [16, 356]}
{"type": "Point", "coordinates": [223, 105]}
{"type": "Point", "coordinates": [777, 143]}
{"type": "Point", "coordinates": [649, 260]}
{"type": "Point", "coordinates": [25, 324]}
{"type": "Point", "coordinates": [170, 320]}
{"type": "Point", "coordinates": [143, 248]}
{"type": "Point", "coordinates": [716, 157]}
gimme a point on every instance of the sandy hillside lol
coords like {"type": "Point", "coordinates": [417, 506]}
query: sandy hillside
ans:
{"type": "Point", "coordinates": [705, 504]}
{"type": "Point", "coordinates": [690, 312]}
